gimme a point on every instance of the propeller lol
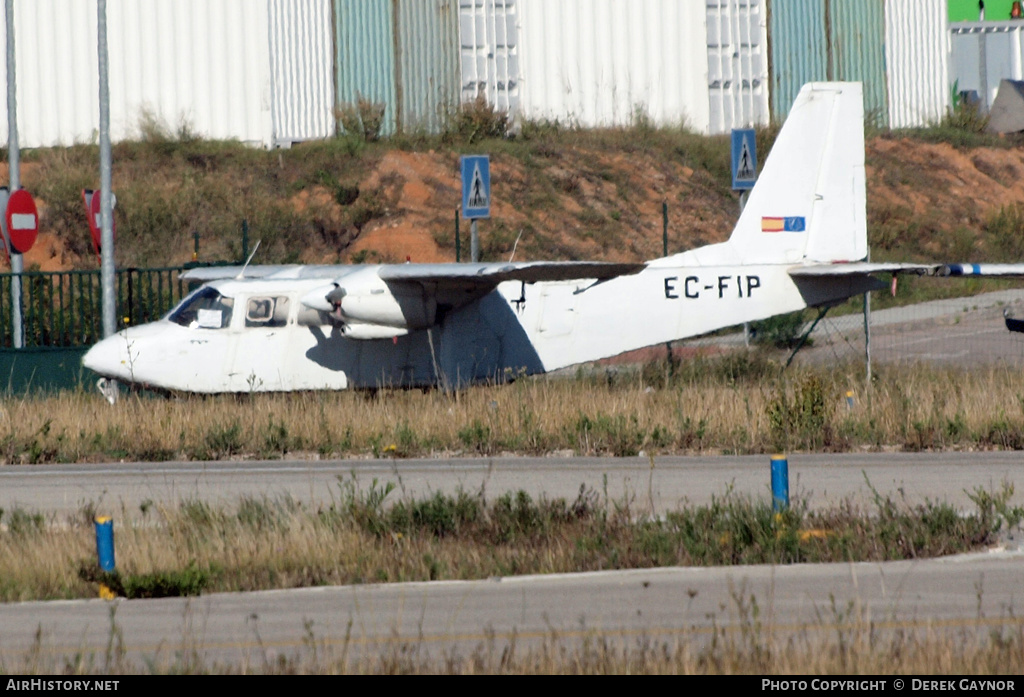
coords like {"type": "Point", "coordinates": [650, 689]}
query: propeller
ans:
{"type": "Point", "coordinates": [324, 299]}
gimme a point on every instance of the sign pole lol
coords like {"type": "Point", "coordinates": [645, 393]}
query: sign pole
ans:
{"type": "Point", "coordinates": [474, 242]}
{"type": "Point", "coordinates": [106, 219]}
{"type": "Point", "coordinates": [14, 167]}
{"type": "Point", "coordinates": [744, 176]}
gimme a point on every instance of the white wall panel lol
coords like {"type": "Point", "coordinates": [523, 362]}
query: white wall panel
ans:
{"type": "Point", "coordinates": [200, 63]}
{"type": "Point", "coordinates": [588, 62]}
{"type": "Point", "coordinates": [301, 64]}
{"type": "Point", "coordinates": [599, 62]}
{"type": "Point", "coordinates": [489, 52]}
{"type": "Point", "coordinates": [917, 62]}
{"type": "Point", "coordinates": [737, 40]}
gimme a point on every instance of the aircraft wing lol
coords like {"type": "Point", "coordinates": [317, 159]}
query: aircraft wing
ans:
{"type": "Point", "coordinates": [205, 274]}
{"type": "Point", "coordinates": [449, 285]}
{"type": "Point", "coordinates": [492, 274]}
{"type": "Point", "coordinates": [463, 275]}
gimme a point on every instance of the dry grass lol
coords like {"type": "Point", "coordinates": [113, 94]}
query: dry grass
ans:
{"type": "Point", "coordinates": [848, 648]}
{"type": "Point", "coordinates": [705, 408]}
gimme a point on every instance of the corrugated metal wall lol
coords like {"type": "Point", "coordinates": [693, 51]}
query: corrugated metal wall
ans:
{"type": "Point", "coordinates": [429, 63]}
{"type": "Point", "coordinates": [598, 63]}
{"type": "Point", "coordinates": [917, 58]}
{"type": "Point", "coordinates": [203, 63]}
{"type": "Point", "coordinates": [857, 34]}
{"type": "Point", "coordinates": [799, 52]}
{"type": "Point", "coordinates": [737, 41]}
{"type": "Point", "coordinates": [301, 70]}
{"type": "Point", "coordinates": [402, 53]}
{"type": "Point", "coordinates": [815, 40]}
{"type": "Point", "coordinates": [365, 54]}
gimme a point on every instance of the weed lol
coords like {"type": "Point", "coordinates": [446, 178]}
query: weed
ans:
{"type": "Point", "coordinates": [224, 441]}
{"type": "Point", "coordinates": [781, 331]}
{"type": "Point", "coordinates": [477, 437]}
{"type": "Point", "coordinates": [802, 419]}
{"type": "Point", "coordinates": [477, 120]}
{"type": "Point", "coordinates": [189, 581]}
{"type": "Point", "coordinates": [23, 523]}
{"type": "Point", "coordinates": [363, 120]}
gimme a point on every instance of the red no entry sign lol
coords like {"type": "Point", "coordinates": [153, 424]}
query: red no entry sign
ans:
{"type": "Point", "coordinates": [22, 220]}
{"type": "Point", "coordinates": [92, 211]}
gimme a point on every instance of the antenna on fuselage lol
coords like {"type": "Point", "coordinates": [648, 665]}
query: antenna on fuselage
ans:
{"type": "Point", "coordinates": [241, 274]}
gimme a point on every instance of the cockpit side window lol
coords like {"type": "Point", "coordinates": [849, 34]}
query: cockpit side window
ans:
{"type": "Point", "coordinates": [266, 311]}
{"type": "Point", "coordinates": [204, 309]}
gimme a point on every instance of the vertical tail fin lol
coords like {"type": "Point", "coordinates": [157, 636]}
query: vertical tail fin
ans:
{"type": "Point", "coordinates": [809, 202]}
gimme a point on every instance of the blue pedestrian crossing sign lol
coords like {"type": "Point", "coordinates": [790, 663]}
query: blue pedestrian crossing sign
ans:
{"type": "Point", "coordinates": [476, 186]}
{"type": "Point", "coordinates": [744, 158]}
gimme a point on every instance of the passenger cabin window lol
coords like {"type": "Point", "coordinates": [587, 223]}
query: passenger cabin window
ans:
{"type": "Point", "coordinates": [266, 312]}
{"type": "Point", "coordinates": [204, 309]}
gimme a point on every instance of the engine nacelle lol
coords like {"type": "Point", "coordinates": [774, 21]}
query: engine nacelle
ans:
{"type": "Point", "coordinates": [368, 332]}
{"type": "Point", "coordinates": [362, 298]}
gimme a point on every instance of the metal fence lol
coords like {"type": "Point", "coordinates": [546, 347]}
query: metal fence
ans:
{"type": "Point", "coordinates": [64, 309]}
{"type": "Point", "coordinates": [962, 331]}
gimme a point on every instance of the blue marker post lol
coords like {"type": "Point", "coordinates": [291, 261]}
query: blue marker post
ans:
{"type": "Point", "coordinates": [105, 550]}
{"type": "Point", "coordinates": [780, 483]}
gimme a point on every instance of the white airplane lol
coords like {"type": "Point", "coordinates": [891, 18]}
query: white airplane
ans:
{"type": "Point", "coordinates": [800, 242]}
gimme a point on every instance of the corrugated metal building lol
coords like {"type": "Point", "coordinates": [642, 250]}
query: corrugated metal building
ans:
{"type": "Point", "coordinates": [272, 72]}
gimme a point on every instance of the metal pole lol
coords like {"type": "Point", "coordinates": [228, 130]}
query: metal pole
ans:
{"type": "Point", "coordinates": [746, 325]}
{"type": "Point", "coordinates": [106, 219]}
{"type": "Point", "coordinates": [458, 242]}
{"type": "Point", "coordinates": [867, 333]}
{"type": "Point", "coordinates": [867, 336]}
{"type": "Point", "coordinates": [474, 242]}
{"type": "Point", "coordinates": [14, 166]}
{"type": "Point", "coordinates": [245, 240]}
{"type": "Point", "coordinates": [664, 227]}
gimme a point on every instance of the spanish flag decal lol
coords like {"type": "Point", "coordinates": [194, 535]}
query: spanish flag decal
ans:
{"type": "Point", "coordinates": [790, 224]}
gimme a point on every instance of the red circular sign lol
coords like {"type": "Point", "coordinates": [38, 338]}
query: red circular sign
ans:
{"type": "Point", "coordinates": [22, 220]}
{"type": "Point", "coordinates": [95, 226]}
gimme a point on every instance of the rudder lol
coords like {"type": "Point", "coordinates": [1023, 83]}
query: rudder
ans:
{"type": "Point", "coordinates": [809, 203]}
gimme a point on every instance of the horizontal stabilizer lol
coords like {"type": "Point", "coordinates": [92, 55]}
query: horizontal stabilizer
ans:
{"type": "Point", "coordinates": [860, 268]}
{"type": "Point", "coordinates": [1005, 270]}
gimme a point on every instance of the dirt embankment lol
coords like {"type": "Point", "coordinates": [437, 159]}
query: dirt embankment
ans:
{"type": "Point", "coordinates": [583, 203]}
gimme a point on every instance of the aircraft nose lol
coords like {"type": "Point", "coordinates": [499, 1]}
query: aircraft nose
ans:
{"type": "Point", "coordinates": [107, 357]}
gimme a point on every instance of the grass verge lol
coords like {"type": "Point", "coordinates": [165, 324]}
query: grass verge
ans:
{"type": "Point", "coordinates": [366, 536]}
